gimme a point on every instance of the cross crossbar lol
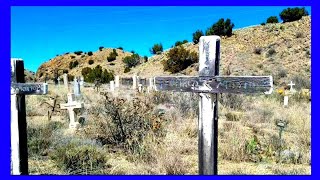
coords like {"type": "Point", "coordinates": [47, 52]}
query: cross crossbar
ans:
{"type": "Point", "coordinates": [215, 84]}
{"type": "Point", "coordinates": [29, 88]}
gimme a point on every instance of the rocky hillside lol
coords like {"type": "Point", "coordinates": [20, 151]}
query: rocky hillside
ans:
{"type": "Point", "coordinates": [282, 50]}
{"type": "Point", "coordinates": [29, 76]}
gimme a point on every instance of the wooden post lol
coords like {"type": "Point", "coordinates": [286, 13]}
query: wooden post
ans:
{"type": "Point", "coordinates": [65, 80]}
{"type": "Point", "coordinates": [117, 84]}
{"type": "Point", "coordinates": [76, 87]}
{"type": "Point", "coordinates": [208, 84]}
{"type": "Point", "coordinates": [19, 142]}
{"type": "Point", "coordinates": [285, 101]}
{"type": "Point", "coordinates": [134, 82]}
{"type": "Point", "coordinates": [209, 57]}
{"type": "Point", "coordinates": [81, 81]}
{"type": "Point", "coordinates": [112, 86]}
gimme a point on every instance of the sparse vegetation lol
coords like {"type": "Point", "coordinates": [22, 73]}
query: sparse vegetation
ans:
{"type": "Point", "coordinates": [78, 52]}
{"type": "Point", "coordinates": [90, 53]}
{"type": "Point", "coordinates": [272, 19]}
{"type": "Point", "coordinates": [112, 56]}
{"type": "Point", "coordinates": [178, 43]}
{"type": "Point", "coordinates": [156, 49]}
{"type": "Point", "coordinates": [196, 36]}
{"type": "Point", "coordinates": [73, 64]}
{"type": "Point", "coordinates": [179, 59]}
{"type": "Point", "coordinates": [101, 48]}
{"type": "Point", "coordinates": [221, 28]}
{"type": "Point", "coordinates": [293, 14]}
{"type": "Point", "coordinates": [131, 61]}
{"type": "Point", "coordinates": [90, 75]}
{"type": "Point", "coordinates": [90, 62]}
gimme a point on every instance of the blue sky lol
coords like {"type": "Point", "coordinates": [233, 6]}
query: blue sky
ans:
{"type": "Point", "coordinates": [40, 33]}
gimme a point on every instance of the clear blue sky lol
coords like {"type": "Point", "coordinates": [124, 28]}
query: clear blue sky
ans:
{"type": "Point", "coordinates": [40, 33]}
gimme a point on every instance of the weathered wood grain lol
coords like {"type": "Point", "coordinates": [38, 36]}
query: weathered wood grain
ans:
{"type": "Point", "coordinates": [217, 84]}
{"type": "Point", "coordinates": [29, 88]}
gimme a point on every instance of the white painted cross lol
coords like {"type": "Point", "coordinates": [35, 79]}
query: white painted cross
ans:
{"type": "Point", "coordinates": [117, 84]}
{"type": "Point", "coordinates": [19, 143]}
{"type": "Point", "coordinates": [285, 101]}
{"type": "Point", "coordinates": [112, 86]}
{"type": "Point", "coordinates": [134, 82]}
{"type": "Point", "coordinates": [81, 81]}
{"type": "Point", "coordinates": [291, 84]}
{"type": "Point", "coordinates": [76, 87]}
{"type": "Point", "coordinates": [70, 106]}
{"type": "Point", "coordinates": [139, 87]}
{"type": "Point", "coordinates": [65, 80]}
{"type": "Point", "coordinates": [209, 84]}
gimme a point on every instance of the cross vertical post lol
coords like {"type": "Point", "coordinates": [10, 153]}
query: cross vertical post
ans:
{"type": "Point", "coordinates": [19, 142]}
{"type": "Point", "coordinates": [209, 56]}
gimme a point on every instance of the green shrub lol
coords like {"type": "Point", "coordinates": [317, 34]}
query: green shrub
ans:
{"type": "Point", "coordinates": [131, 61]}
{"type": "Point", "coordinates": [72, 57]}
{"type": "Point", "coordinates": [179, 59]}
{"type": "Point", "coordinates": [178, 43]}
{"type": "Point", "coordinates": [257, 50]}
{"type": "Point", "coordinates": [145, 58]}
{"type": "Point", "coordinates": [196, 36]}
{"type": "Point", "coordinates": [293, 14]}
{"type": "Point", "coordinates": [90, 62]}
{"type": "Point", "coordinates": [112, 64]}
{"type": "Point", "coordinates": [263, 23]}
{"type": "Point", "coordinates": [121, 48]}
{"type": "Point", "coordinates": [112, 56]}
{"type": "Point", "coordinates": [65, 71]}
{"type": "Point", "coordinates": [90, 75]}
{"type": "Point", "coordinates": [90, 53]}
{"type": "Point", "coordinates": [271, 52]}
{"type": "Point", "coordinates": [84, 159]}
{"type": "Point", "coordinates": [70, 77]}
{"type": "Point", "coordinates": [100, 48]}
{"type": "Point", "coordinates": [156, 49]}
{"type": "Point", "coordinates": [73, 64]}
{"type": "Point", "coordinates": [126, 69]}
{"type": "Point", "coordinates": [221, 28]}
{"type": "Point", "coordinates": [272, 19]}
{"type": "Point", "coordinates": [78, 52]}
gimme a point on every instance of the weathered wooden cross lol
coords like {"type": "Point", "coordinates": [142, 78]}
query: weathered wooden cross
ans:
{"type": "Point", "coordinates": [291, 84]}
{"type": "Point", "coordinates": [209, 84]}
{"type": "Point", "coordinates": [70, 106]}
{"type": "Point", "coordinates": [19, 145]}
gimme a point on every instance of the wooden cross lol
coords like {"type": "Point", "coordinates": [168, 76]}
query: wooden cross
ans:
{"type": "Point", "coordinates": [208, 84]}
{"type": "Point", "coordinates": [291, 84]}
{"type": "Point", "coordinates": [19, 143]}
{"type": "Point", "coordinates": [70, 106]}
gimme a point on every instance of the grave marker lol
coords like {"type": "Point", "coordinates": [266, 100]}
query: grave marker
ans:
{"type": "Point", "coordinates": [291, 88]}
{"type": "Point", "coordinates": [65, 80]}
{"type": "Point", "coordinates": [134, 82]}
{"type": "Point", "coordinates": [81, 81]}
{"type": "Point", "coordinates": [70, 106]}
{"type": "Point", "coordinates": [58, 79]}
{"type": "Point", "coordinates": [112, 86]}
{"type": "Point", "coordinates": [208, 84]}
{"type": "Point", "coordinates": [19, 145]}
{"type": "Point", "coordinates": [76, 87]}
{"type": "Point", "coordinates": [117, 84]}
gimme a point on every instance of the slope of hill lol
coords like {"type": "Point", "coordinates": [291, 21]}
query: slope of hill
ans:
{"type": "Point", "coordinates": [281, 50]}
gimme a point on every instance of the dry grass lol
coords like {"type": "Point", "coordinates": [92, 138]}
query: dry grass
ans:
{"type": "Point", "coordinates": [247, 145]}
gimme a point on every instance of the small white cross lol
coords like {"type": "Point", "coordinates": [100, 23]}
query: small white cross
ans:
{"type": "Point", "coordinates": [70, 106]}
{"type": "Point", "coordinates": [291, 84]}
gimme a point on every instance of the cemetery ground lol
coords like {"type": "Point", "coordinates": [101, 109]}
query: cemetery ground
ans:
{"type": "Point", "coordinates": [127, 132]}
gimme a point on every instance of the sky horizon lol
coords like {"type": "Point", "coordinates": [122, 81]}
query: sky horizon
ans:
{"type": "Point", "coordinates": [40, 33]}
